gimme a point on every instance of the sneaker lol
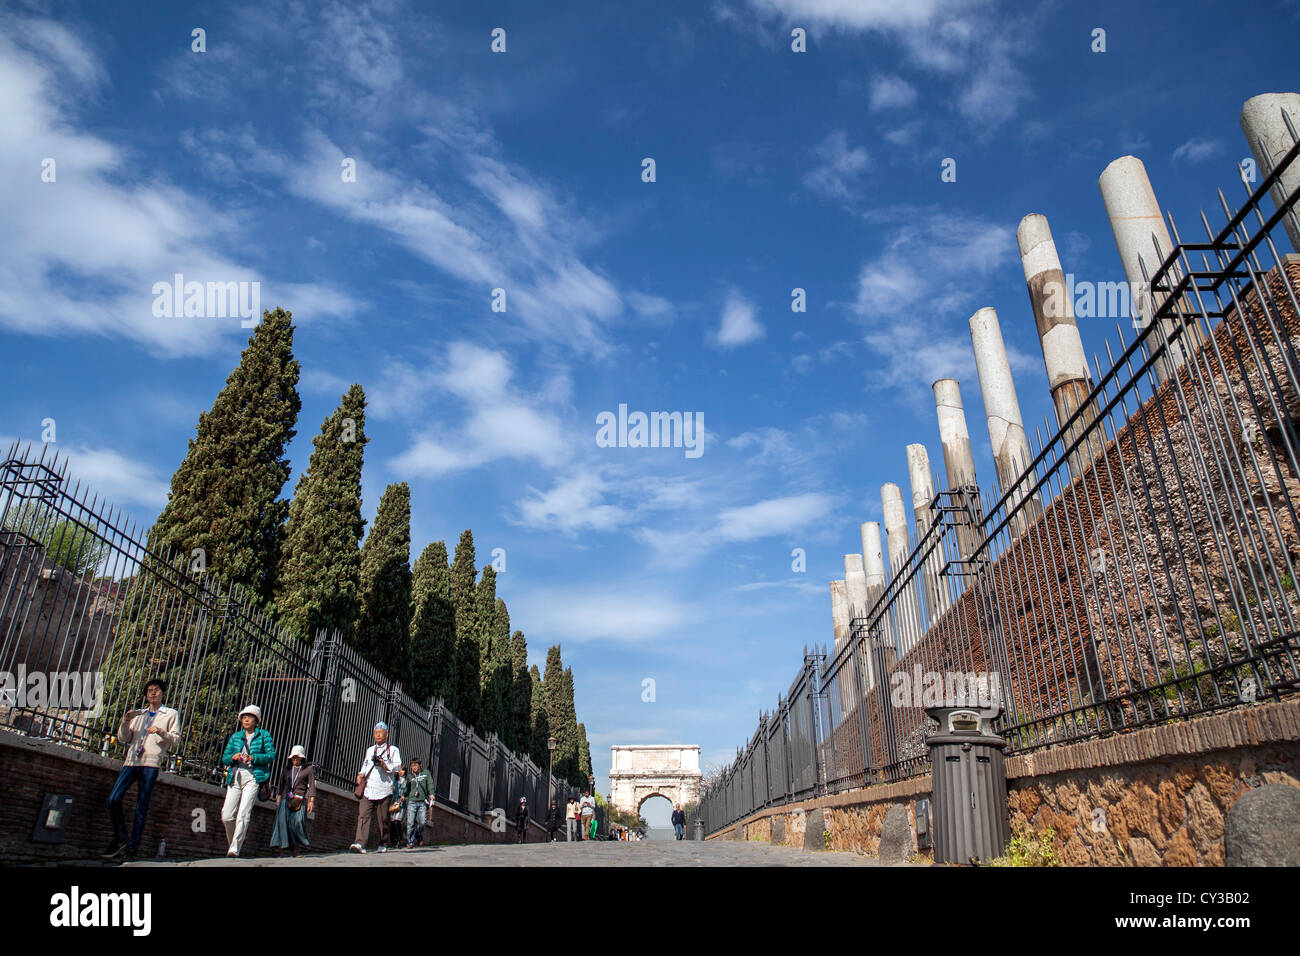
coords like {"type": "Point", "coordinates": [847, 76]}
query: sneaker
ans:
{"type": "Point", "coordinates": [357, 848]}
{"type": "Point", "coordinates": [128, 854]}
{"type": "Point", "coordinates": [114, 849]}
{"type": "Point", "coordinates": [382, 849]}
{"type": "Point", "coordinates": [232, 853]}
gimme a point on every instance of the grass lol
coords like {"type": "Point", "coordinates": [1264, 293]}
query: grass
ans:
{"type": "Point", "coordinates": [1032, 850]}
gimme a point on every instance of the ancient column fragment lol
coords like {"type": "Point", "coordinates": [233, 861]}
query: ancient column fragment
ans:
{"type": "Point", "coordinates": [1270, 140]}
{"type": "Point", "coordinates": [906, 609]}
{"type": "Point", "coordinates": [1068, 376]}
{"type": "Point", "coordinates": [1002, 408]}
{"type": "Point", "coordinates": [839, 612]}
{"type": "Point", "coordinates": [958, 460]}
{"type": "Point", "coordinates": [934, 593]}
{"type": "Point", "coordinates": [1142, 239]}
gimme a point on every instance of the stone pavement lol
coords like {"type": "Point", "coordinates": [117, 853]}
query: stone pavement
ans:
{"type": "Point", "coordinates": [644, 853]}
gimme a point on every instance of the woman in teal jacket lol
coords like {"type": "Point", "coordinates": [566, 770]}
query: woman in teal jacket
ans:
{"type": "Point", "coordinates": [249, 754]}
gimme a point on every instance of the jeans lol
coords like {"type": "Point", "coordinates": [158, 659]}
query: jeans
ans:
{"type": "Point", "coordinates": [678, 829]}
{"type": "Point", "coordinates": [145, 777]}
{"type": "Point", "coordinates": [417, 812]}
{"type": "Point", "coordinates": [241, 797]}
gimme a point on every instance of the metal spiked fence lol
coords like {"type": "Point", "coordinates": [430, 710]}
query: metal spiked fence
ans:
{"type": "Point", "coordinates": [1141, 569]}
{"type": "Point", "coordinates": [90, 609]}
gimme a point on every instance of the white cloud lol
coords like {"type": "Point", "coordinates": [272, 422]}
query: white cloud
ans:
{"type": "Point", "coordinates": [573, 504]}
{"type": "Point", "coordinates": [776, 516]}
{"type": "Point", "coordinates": [499, 422]}
{"type": "Point", "coordinates": [891, 93]}
{"type": "Point", "coordinates": [610, 612]}
{"type": "Point", "coordinates": [839, 169]}
{"type": "Point", "coordinates": [1197, 150]}
{"type": "Point", "coordinates": [64, 276]}
{"type": "Point", "coordinates": [118, 480]}
{"type": "Point", "coordinates": [739, 325]}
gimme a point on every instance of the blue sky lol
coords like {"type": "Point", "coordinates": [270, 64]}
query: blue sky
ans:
{"type": "Point", "coordinates": [522, 170]}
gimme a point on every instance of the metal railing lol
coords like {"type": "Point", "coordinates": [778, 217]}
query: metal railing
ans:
{"type": "Point", "coordinates": [90, 609]}
{"type": "Point", "coordinates": [1141, 570]}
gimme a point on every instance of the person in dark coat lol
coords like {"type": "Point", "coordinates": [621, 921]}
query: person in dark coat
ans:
{"type": "Point", "coordinates": [521, 820]}
{"type": "Point", "coordinates": [295, 798]}
{"type": "Point", "coordinates": [679, 821]}
{"type": "Point", "coordinates": [553, 821]}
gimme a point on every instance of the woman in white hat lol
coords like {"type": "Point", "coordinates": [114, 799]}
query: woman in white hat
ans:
{"type": "Point", "coordinates": [249, 754]}
{"type": "Point", "coordinates": [295, 798]}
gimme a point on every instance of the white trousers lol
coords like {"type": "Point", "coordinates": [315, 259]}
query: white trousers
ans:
{"type": "Point", "coordinates": [241, 797]}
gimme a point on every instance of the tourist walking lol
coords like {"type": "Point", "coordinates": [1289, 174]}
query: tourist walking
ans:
{"type": "Point", "coordinates": [148, 734]}
{"type": "Point", "coordinates": [249, 754]}
{"type": "Point", "coordinates": [419, 800]}
{"type": "Point", "coordinates": [552, 821]}
{"type": "Point", "coordinates": [679, 821]}
{"type": "Point", "coordinates": [571, 819]}
{"type": "Point", "coordinates": [375, 790]}
{"type": "Point", "coordinates": [521, 820]}
{"type": "Point", "coordinates": [397, 810]}
{"type": "Point", "coordinates": [294, 799]}
{"type": "Point", "coordinates": [588, 808]}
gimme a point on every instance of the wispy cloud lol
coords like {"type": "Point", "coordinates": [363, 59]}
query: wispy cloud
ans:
{"type": "Point", "coordinates": [890, 92]}
{"type": "Point", "coordinates": [839, 169]}
{"type": "Point", "coordinates": [1196, 150]}
{"type": "Point", "coordinates": [739, 323]}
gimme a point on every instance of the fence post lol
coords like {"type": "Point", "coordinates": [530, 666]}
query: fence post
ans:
{"type": "Point", "coordinates": [435, 722]}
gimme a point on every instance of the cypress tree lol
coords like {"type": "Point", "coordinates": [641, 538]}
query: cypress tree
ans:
{"type": "Point", "coordinates": [465, 703]}
{"type": "Point", "coordinates": [558, 710]}
{"type": "Point", "coordinates": [521, 695]}
{"type": "Point", "coordinates": [541, 724]}
{"type": "Point", "coordinates": [383, 627]}
{"type": "Point", "coordinates": [433, 626]}
{"type": "Point", "coordinates": [320, 568]}
{"type": "Point", "coordinates": [225, 496]}
{"type": "Point", "coordinates": [569, 726]}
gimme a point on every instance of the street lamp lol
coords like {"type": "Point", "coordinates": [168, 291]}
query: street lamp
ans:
{"type": "Point", "coordinates": [550, 761]}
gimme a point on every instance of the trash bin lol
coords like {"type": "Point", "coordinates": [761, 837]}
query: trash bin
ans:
{"type": "Point", "coordinates": [698, 830]}
{"type": "Point", "coordinates": [970, 785]}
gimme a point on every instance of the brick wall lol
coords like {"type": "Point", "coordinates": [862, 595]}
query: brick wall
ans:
{"type": "Point", "coordinates": [183, 812]}
{"type": "Point", "coordinates": [1152, 797]}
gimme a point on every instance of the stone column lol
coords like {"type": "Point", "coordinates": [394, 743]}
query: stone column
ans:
{"type": "Point", "coordinates": [1270, 140]}
{"type": "Point", "coordinates": [839, 612]}
{"type": "Point", "coordinates": [935, 594]}
{"type": "Point", "coordinates": [855, 587]}
{"type": "Point", "coordinates": [1002, 408]}
{"type": "Point", "coordinates": [959, 462]}
{"type": "Point", "coordinates": [1068, 376]}
{"type": "Point", "coordinates": [1138, 227]}
{"type": "Point", "coordinates": [873, 560]}
{"type": "Point", "coordinates": [906, 609]}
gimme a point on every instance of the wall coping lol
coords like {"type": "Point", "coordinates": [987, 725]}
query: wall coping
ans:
{"type": "Point", "coordinates": [1248, 726]}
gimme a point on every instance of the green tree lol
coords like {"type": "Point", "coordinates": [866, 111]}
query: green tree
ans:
{"type": "Point", "coordinates": [569, 723]}
{"type": "Point", "coordinates": [433, 626]}
{"type": "Point", "coordinates": [383, 628]}
{"type": "Point", "coordinates": [584, 753]}
{"type": "Point", "coordinates": [521, 696]}
{"type": "Point", "coordinates": [69, 544]}
{"type": "Point", "coordinates": [225, 496]}
{"type": "Point", "coordinates": [541, 723]}
{"type": "Point", "coordinates": [560, 716]}
{"type": "Point", "coordinates": [465, 703]}
{"type": "Point", "coordinates": [320, 567]}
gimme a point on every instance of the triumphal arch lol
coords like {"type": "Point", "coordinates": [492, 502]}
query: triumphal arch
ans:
{"type": "Point", "coordinates": [639, 772]}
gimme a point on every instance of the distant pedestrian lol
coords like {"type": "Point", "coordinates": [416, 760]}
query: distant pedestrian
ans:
{"type": "Point", "coordinates": [679, 821]}
{"type": "Point", "coordinates": [249, 754]}
{"type": "Point", "coordinates": [521, 820]}
{"type": "Point", "coordinates": [553, 821]}
{"type": "Point", "coordinates": [375, 790]}
{"type": "Point", "coordinates": [397, 810]}
{"type": "Point", "coordinates": [419, 800]}
{"type": "Point", "coordinates": [587, 807]}
{"type": "Point", "coordinates": [148, 734]}
{"type": "Point", "coordinates": [571, 819]}
{"type": "Point", "coordinates": [295, 798]}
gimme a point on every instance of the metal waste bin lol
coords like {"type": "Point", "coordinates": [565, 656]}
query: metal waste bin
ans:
{"type": "Point", "coordinates": [970, 785]}
{"type": "Point", "coordinates": [698, 830]}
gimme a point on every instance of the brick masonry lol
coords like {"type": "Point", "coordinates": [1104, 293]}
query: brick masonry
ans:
{"type": "Point", "coordinates": [1153, 797]}
{"type": "Point", "coordinates": [185, 813]}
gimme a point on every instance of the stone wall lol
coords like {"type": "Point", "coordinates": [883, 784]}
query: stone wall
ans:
{"type": "Point", "coordinates": [1152, 797]}
{"type": "Point", "coordinates": [184, 813]}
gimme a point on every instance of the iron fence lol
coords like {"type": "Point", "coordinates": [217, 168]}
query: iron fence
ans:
{"type": "Point", "coordinates": [1140, 570]}
{"type": "Point", "coordinates": [90, 608]}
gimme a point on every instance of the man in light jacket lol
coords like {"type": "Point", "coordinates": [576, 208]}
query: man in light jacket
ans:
{"type": "Point", "coordinates": [377, 774]}
{"type": "Point", "coordinates": [149, 735]}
